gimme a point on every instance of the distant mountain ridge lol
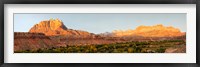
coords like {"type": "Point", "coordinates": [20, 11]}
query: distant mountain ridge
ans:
{"type": "Point", "coordinates": [55, 27]}
{"type": "Point", "coordinates": [150, 31]}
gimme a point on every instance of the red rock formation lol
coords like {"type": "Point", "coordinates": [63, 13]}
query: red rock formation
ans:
{"type": "Point", "coordinates": [56, 27]}
{"type": "Point", "coordinates": [32, 41]}
{"type": "Point", "coordinates": [151, 31]}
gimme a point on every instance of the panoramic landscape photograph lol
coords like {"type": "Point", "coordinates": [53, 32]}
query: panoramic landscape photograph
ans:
{"type": "Point", "coordinates": [99, 33]}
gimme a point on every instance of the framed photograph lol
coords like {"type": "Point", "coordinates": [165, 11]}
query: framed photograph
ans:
{"type": "Point", "coordinates": [100, 32]}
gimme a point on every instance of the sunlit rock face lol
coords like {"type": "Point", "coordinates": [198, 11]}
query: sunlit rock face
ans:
{"type": "Point", "coordinates": [56, 27]}
{"type": "Point", "coordinates": [150, 31]}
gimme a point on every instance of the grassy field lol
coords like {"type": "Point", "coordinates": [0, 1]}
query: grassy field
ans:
{"type": "Point", "coordinates": [125, 47]}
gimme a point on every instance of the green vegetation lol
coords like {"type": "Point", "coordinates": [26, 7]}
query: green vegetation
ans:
{"type": "Point", "coordinates": [125, 47]}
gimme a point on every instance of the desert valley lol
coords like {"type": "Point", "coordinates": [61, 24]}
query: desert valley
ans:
{"type": "Point", "coordinates": [52, 36]}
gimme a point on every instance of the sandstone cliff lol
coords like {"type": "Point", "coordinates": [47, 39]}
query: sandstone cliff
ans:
{"type": "Point", "coordinates": [151, 31]}
{"type": "Point", "coordinates": [55, 27]}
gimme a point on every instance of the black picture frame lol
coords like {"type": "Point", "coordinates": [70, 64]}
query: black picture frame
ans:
{"type": "Point", "coordinates": [2, 2]}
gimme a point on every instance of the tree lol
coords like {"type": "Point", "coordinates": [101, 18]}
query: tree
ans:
{"type": "Point", "coordinates": [130, 50]}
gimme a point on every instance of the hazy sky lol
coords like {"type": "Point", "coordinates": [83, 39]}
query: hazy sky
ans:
{"type": "Point", "coordinates": [102, 22]}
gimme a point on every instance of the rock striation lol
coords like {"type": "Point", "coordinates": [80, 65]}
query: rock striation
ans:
{"type": "Point", "coordinates": [32, 41]}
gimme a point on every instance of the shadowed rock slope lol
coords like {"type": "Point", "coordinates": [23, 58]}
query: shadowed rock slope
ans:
{"type": "Point", "coordinates": [32, 41]}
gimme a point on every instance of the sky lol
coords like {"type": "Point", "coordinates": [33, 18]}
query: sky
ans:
{"type": "Point", "coordinates": [102, 22]}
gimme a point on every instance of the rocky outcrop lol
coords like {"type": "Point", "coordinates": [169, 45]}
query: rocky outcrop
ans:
{"type": "Point", "coordinates": [54, 27]}
{"type": "Point", "coordinates": [151, 31]}
{"type": "Point", "coordinates": [32, 41]}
